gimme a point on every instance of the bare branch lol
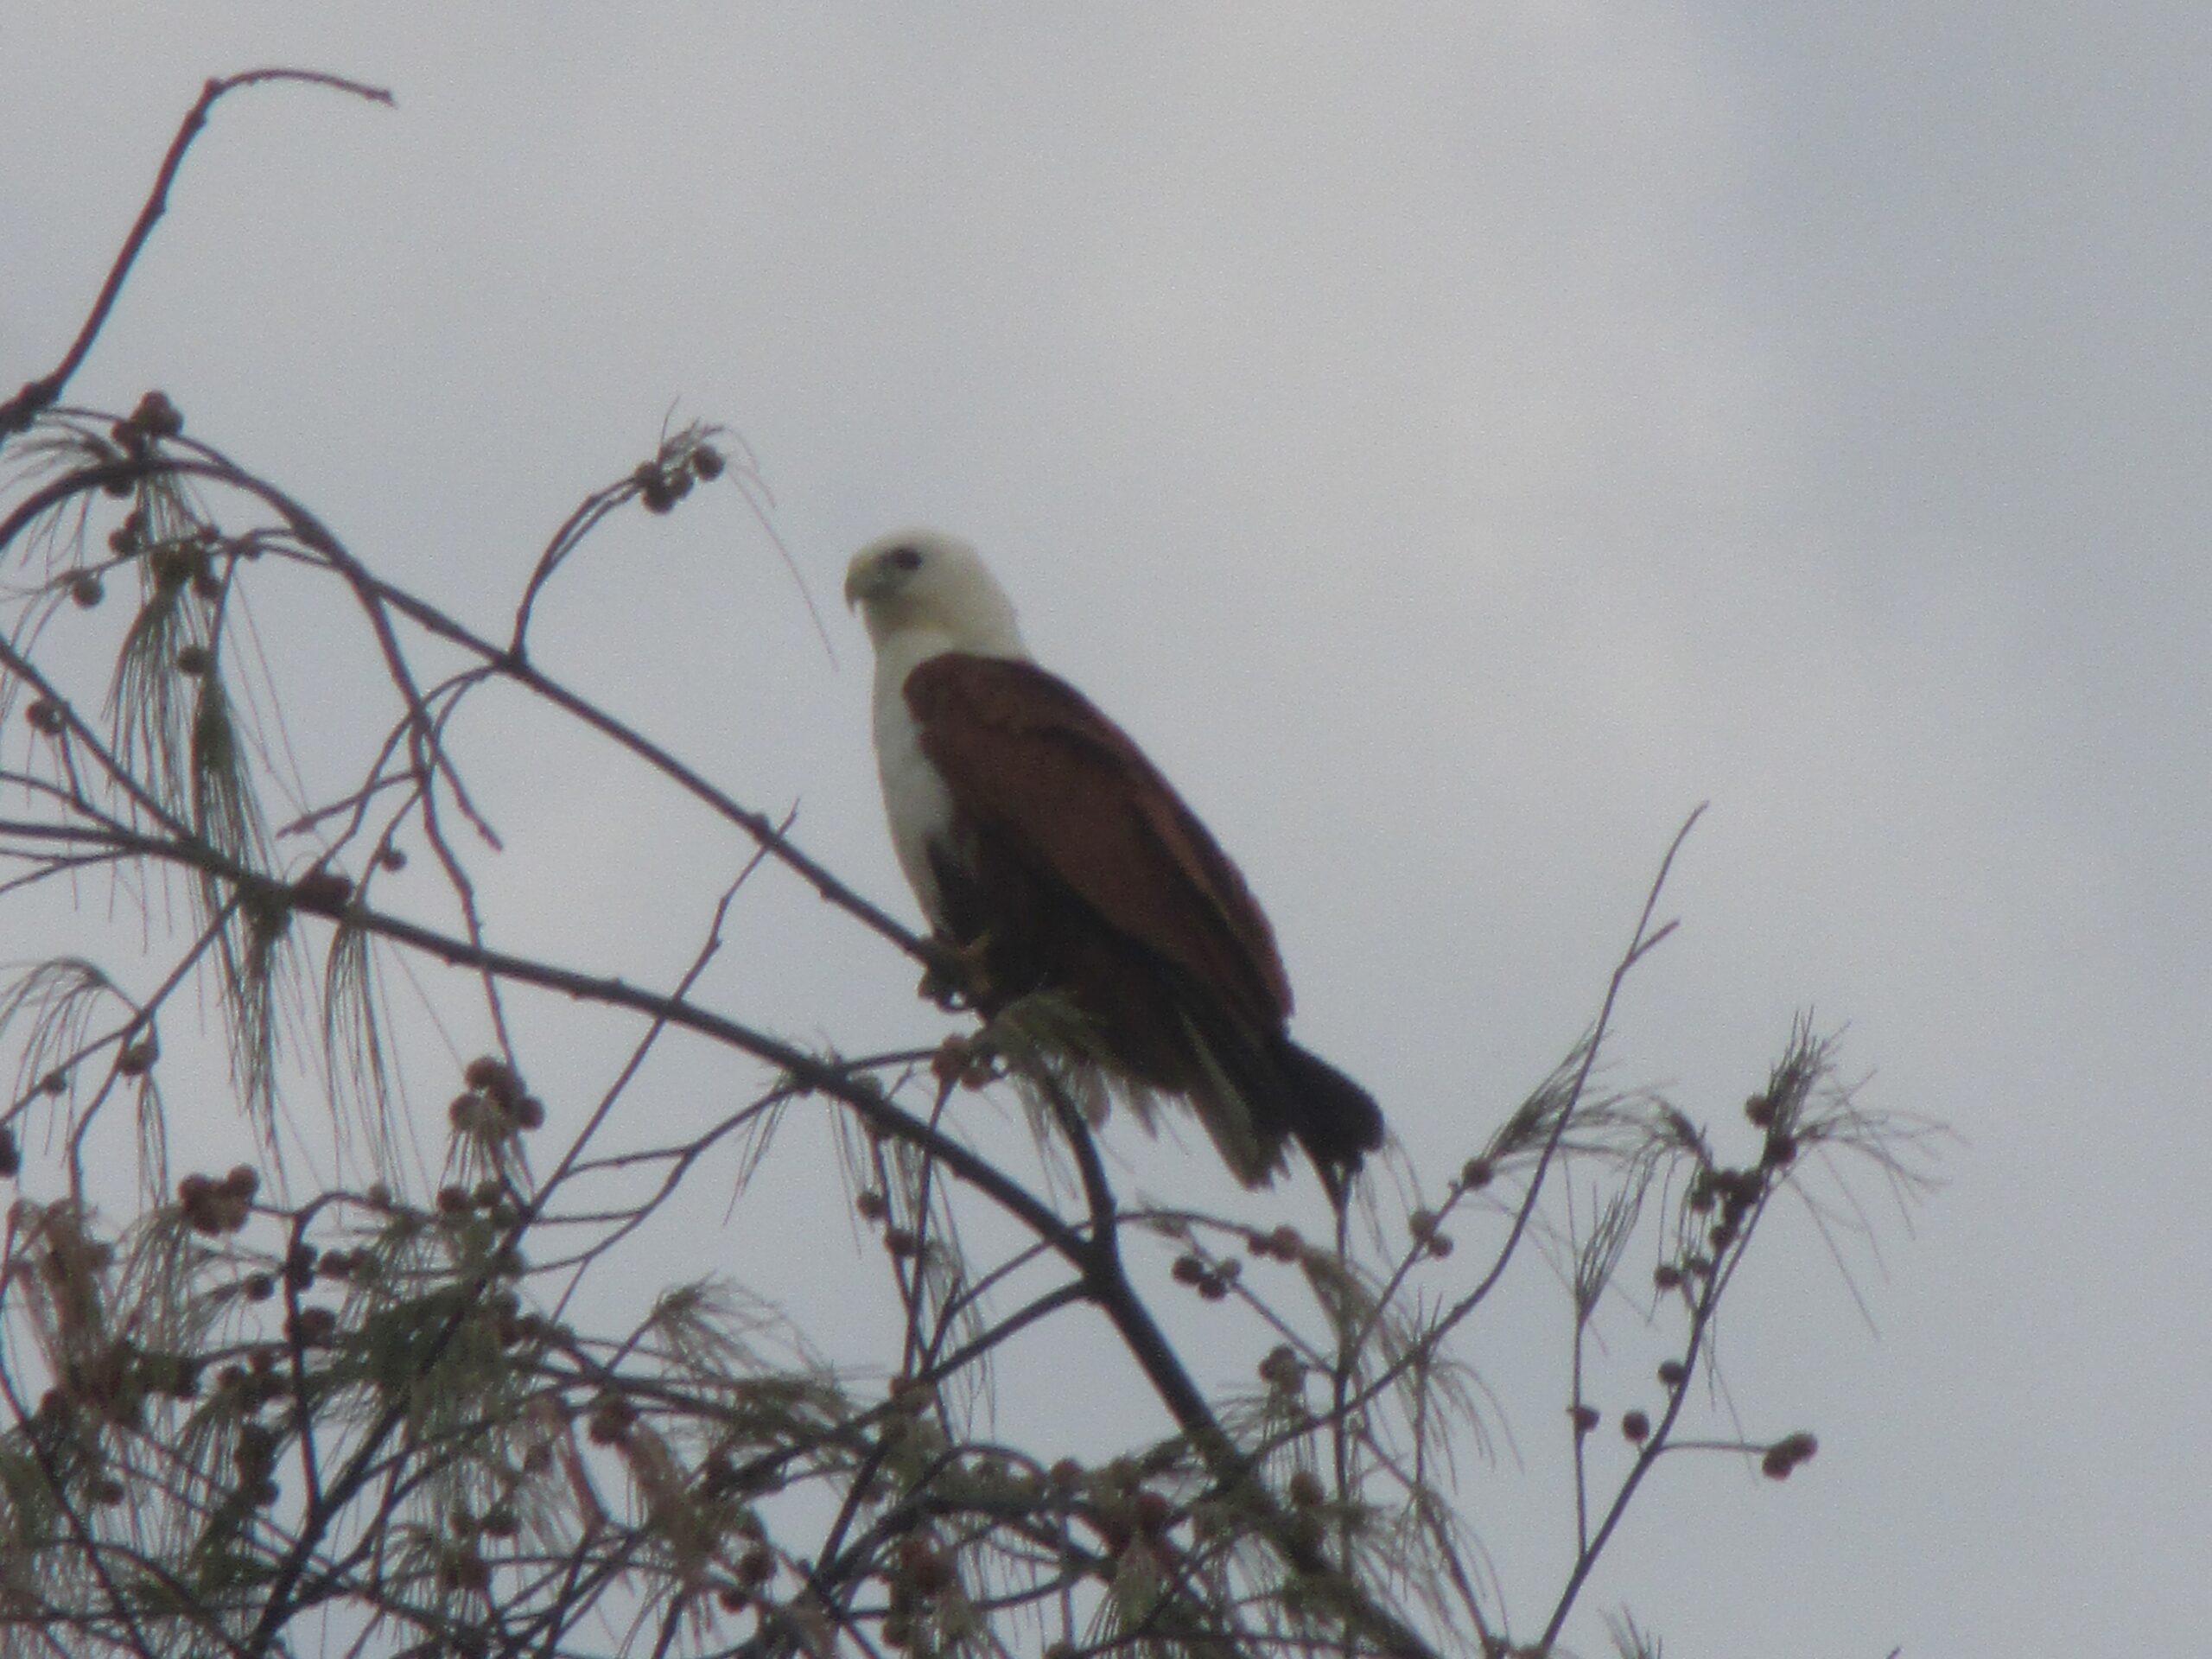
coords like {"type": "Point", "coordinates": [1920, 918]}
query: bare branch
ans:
{"type": "Point", "coordinates": [19, 411]}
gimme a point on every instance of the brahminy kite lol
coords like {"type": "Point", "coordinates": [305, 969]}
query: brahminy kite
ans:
{"type": "Point", "coordinates": [1054, 858]}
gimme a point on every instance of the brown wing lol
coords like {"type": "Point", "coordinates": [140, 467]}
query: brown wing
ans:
{"type": "Point", "coordinates": [1030, 760]}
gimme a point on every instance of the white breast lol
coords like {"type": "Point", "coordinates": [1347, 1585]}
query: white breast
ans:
{"type": "Point", "coordinates": [915, 799]}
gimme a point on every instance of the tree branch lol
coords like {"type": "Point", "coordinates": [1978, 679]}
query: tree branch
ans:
{"type": "Point", "coordinates": [39, 395]}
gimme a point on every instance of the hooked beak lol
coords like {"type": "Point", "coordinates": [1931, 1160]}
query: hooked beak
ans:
{"type": "Point", "coordinates": [857, 576]}
{"type": "Point", "coordinates": [868, 575]}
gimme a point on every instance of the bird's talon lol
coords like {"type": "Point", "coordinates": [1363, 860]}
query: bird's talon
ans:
{"type": "Point", "coordinates": [955, 979]}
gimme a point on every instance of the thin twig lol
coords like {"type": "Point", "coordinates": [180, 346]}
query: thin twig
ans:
{"type": "Point", "coordinates": [36, 395]}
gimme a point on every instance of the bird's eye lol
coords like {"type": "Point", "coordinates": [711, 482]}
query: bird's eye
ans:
{"type": "Point", "coordinates": [907, 558]}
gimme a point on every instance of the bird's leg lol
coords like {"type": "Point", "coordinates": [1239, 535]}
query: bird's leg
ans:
{"type": "Point", "coordinates": [956, 977]}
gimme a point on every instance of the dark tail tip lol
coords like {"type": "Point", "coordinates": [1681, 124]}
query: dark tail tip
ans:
{"type": "Point", "coordinates": [1335, 1120]}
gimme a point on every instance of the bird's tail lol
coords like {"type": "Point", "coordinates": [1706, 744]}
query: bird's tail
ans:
{"type": "Point", "coordinates": [1256, 1090]}
{"type": "Point", "coordinates": [1333, 1118]}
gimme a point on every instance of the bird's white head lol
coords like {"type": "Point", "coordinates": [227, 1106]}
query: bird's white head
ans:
{"type": "Point", "coordinates": [921, 593]}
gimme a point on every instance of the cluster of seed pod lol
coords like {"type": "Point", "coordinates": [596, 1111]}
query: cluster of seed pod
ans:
{"type": "Point", "coordinates": [872, 1207]}
{"type": "Point", "coordinates": [666, 480]}
{"type": "Point", "coordinates": [1429, 1235]}
{"type": "Point", "coordinates": [1285, 1244]}
{"type": "Point", "coordinates": [1786, 1453]}
{"type": "Point", "coordinates": [1211, 1279]}
{"type": "Point", "coordinates": [495, 1104]}
{"type": "Point", "coordinates": [258, 1380]}
{"type": "Point", "coordinates": [155, 419]}
{"type": "Point", "coordinates": [215, 1207]}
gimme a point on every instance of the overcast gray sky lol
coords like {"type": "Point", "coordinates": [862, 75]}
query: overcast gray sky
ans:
{"type": "Point", "coordinates": [1456, 440]}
